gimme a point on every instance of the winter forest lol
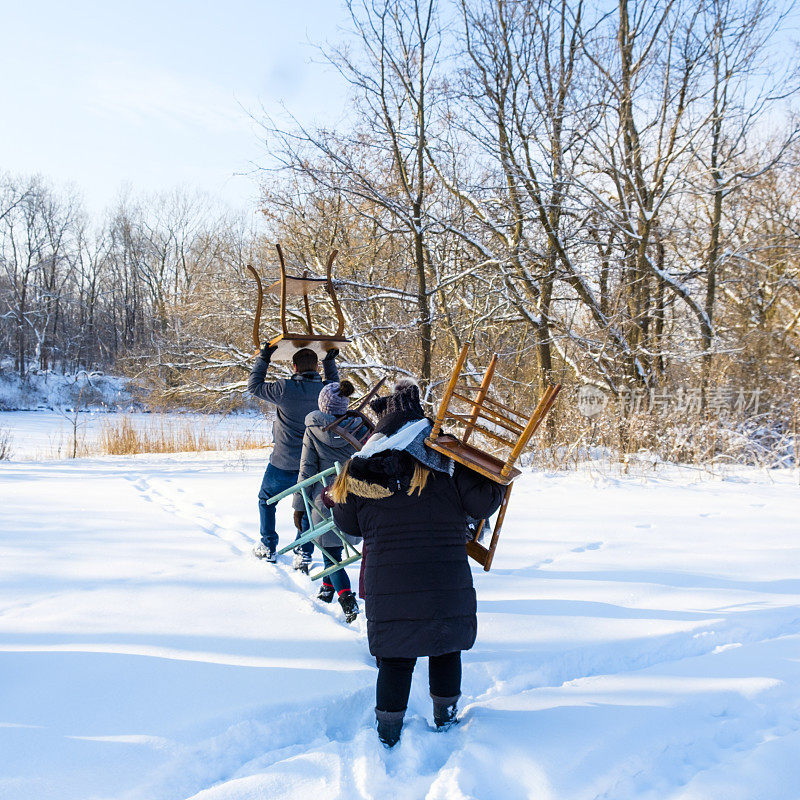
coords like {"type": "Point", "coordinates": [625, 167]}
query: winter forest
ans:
{"type": "Point", "coordinates": [603, 196]}
{"type": "Point", "coordinates": [549, 246]}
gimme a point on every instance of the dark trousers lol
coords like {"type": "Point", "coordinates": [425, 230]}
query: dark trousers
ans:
{"type": "Point", "coordinates": [274, 482]}
{"type": "Point", "coordinates": [394, 679]}
{"type": "Point", "coordinates": [339, 579]}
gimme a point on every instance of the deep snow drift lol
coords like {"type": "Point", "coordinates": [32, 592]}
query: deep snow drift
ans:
{"type": "Point", "coordinates": [638, 638]}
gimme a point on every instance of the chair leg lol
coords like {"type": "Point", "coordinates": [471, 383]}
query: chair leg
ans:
{"type": "Point", "coordinates": [437, 425]}
{"type": "Point", "coordinates": [283, 290]}
{"type": "Point", "coordinates": [477, 405]}
{"type": "Point", "coordinates": [487, 563]}
{"type": "Point", "coordinates": [307, 304]}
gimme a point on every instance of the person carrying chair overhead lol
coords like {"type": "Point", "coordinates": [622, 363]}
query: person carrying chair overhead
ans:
{"type": "Point", "coordinates": [294, 399]}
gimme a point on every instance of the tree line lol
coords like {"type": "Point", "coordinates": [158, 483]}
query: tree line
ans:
{"type": "Point", "coordinates": [86, 294]}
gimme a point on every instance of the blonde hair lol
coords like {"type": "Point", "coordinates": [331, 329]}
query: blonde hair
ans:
{"type": "Point", "coordinates": [341, 487]}
{"type": "Point", "coordinates": [419, 479]}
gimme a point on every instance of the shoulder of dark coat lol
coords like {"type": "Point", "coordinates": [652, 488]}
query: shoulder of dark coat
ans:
{"type": "Point", "coordinates": [380, 475]}
{"type": "Point", "coordinates": [310, 377]}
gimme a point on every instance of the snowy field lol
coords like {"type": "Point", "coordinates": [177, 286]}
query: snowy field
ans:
{"type": "Point", "coordinates": [44, 434]}
{"type": "Point", "coordinates": [638, 638]}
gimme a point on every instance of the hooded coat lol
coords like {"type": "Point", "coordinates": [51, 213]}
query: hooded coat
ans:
{"type": "Point", "coordinates": [420, 600]}
{"type": "Point", "coordinates": [321, 450]}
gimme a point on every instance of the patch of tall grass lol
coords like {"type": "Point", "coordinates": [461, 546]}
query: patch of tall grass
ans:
{"type": "Point", "coordinates": [120, 436]}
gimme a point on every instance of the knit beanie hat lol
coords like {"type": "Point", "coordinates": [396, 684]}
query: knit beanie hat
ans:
{"type": "Point", "coordinates": [333, 399]}
{"type": "Point", "coordinates": [401, 406]}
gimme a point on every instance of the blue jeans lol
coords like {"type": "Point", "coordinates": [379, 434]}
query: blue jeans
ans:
{"type": "Point", "coordinates": [339, 579]}
{"type": "Point", "coordinates": [274, 482]}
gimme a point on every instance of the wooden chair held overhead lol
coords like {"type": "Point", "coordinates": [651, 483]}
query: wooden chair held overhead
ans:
{"type": "Point", "coordinates": [300, 286]}
{"type": "Point", "coordinates": [503, 429]}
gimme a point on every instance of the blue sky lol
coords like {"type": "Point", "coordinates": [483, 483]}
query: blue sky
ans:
{"type": "Point", "coordinates": [148, 94]}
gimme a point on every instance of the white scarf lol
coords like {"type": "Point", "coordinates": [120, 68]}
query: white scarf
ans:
{"type": "Point", "coordinates": [377, 443]}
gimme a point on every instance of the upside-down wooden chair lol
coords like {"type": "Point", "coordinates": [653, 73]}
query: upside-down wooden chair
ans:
{"type": "Point", "coordinates": [471, 408]}
{"type": "Point", "coordinates": [354, 427]}
{"type": "Point", "coordinates": [288, 343]}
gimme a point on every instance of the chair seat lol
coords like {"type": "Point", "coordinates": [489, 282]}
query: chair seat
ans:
{"type": "Point", "coordinates": [288, 344]}
{"type": "Point", "coordinates": [483, 463]}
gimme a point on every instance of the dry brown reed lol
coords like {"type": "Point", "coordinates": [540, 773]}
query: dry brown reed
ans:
{"type": "Point", "coordinates": [120, 436]}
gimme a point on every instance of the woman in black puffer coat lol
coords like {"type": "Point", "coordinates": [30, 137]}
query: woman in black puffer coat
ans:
{"type": "Point", "coordinates": [410, 505]}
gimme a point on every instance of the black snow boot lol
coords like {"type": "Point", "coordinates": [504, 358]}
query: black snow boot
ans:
{"type": "Point", "coordinates": [444, 711]}
{"type": "Point", "coordinates": [349, 605]}
{"type": "Point", "coordinates": [390, 723]}
{"type": "Point", "coordinates": [265, 552]}
{"type": "Point", "coordinates": [301, 561]}
{"type": "Point", "coordinates": [326, 593]}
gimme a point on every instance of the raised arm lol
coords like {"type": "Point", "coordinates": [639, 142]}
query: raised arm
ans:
{"type": "Point", "coordinates": [329, 369]}
{"type": "Point", "coordinates": [271, 392]}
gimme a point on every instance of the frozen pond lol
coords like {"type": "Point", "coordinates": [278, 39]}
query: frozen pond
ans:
{"type": "Point", "coordinates": [49, 434]}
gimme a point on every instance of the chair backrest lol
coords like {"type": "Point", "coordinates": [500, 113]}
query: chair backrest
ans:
{"type": "Point", "coordinates": [302, 286]}
{"type": "Point", "coordinates": [471, 407]}
{"type": "Point", "coordinates": [355, 426]}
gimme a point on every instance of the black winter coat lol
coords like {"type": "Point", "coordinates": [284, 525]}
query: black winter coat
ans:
{"type": "Point", "coordinates": [419, 596]}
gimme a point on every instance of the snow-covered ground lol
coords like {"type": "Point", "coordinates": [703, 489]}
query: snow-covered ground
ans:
{"type": "Point", "coordinates": [638, 638]}
{"type": "Point", "coordinates": [49, 434]}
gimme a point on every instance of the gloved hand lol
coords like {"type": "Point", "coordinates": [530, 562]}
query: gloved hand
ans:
{"type": "Point", "coordinates": [326, 498]}
{"type": "Point", "coordinates": [332, 353]}
{"type": "Point", "coordinates": [298, 520]}
{"type": "Point", "coordinates": [267, 351]}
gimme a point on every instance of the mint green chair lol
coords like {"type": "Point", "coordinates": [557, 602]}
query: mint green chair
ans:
{"type": "Point", "coordinates": [349, 554]}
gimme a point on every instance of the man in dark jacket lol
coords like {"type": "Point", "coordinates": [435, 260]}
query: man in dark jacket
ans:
{"type": "Point", "coordinates": [294, 399]}
{"type": "Point", "coordinates": [410, 505]}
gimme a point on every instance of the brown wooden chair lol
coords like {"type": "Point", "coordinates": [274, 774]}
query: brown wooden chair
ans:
{"type": "Point", "coordinates": [507, 431]}
{"type": "Point", "coordinates": [288, 343]}
{"type": "Point", "coordinates": [355, 426]}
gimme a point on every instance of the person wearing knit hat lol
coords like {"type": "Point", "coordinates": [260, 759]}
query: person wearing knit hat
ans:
{"type": "Point", "coordinates": [409, 504]}
{"type": "Point", "coordinates": [332, 401]}
{"type": "Point", "coordinates": [400, 407]}
{"type": "Point", "coordinates": [321, 450]}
